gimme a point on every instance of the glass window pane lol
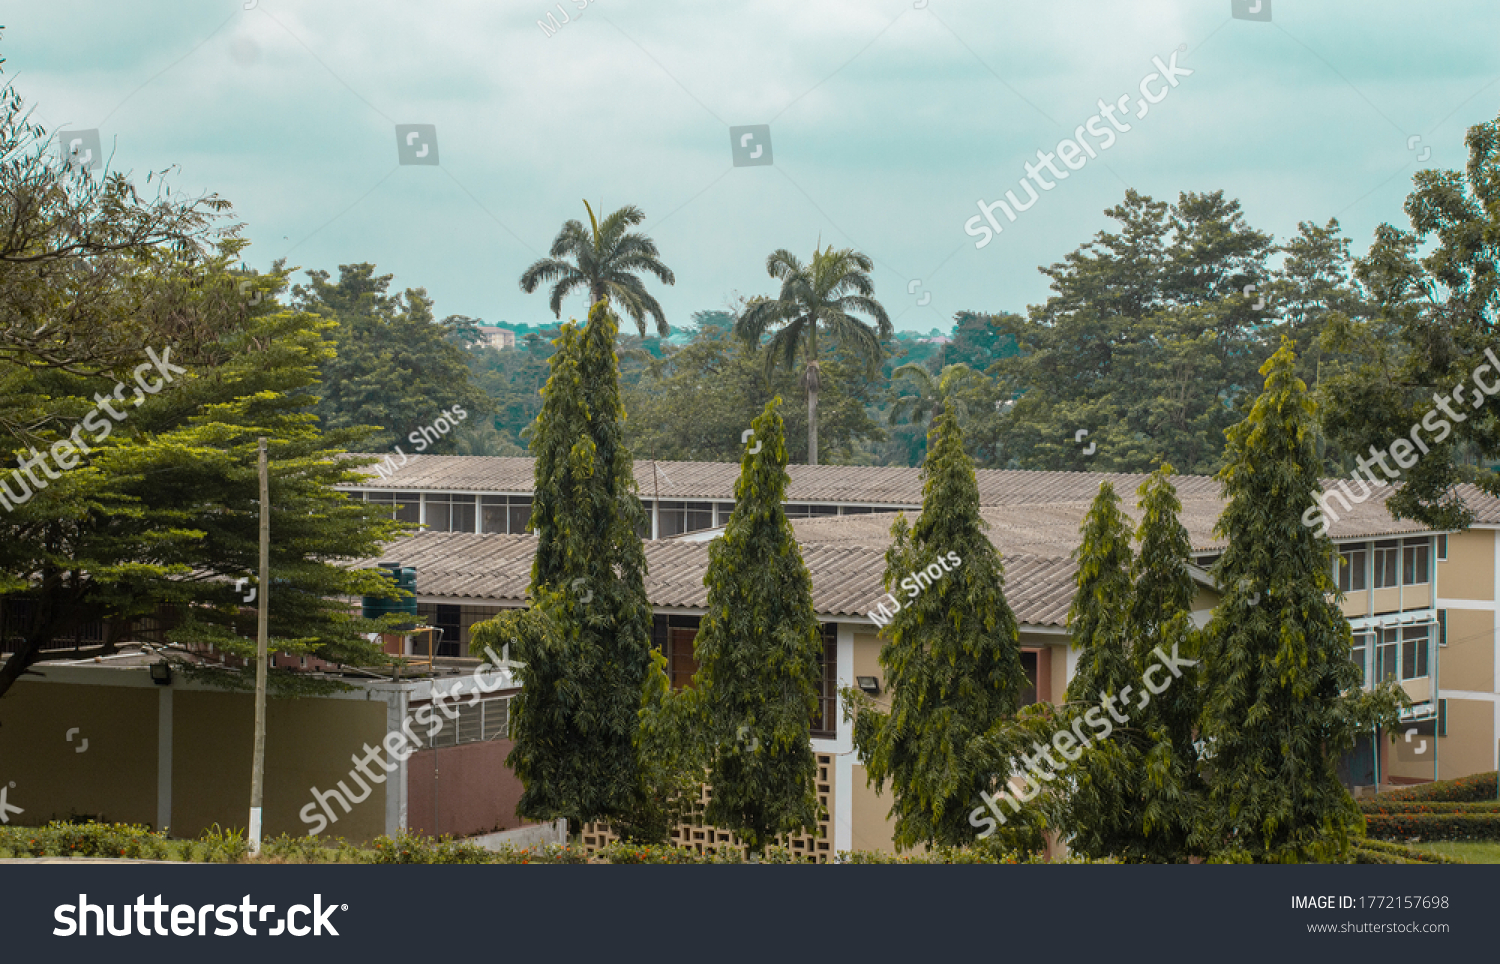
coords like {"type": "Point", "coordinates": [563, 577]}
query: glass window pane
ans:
{"type": "Point", "coordinates": [446, 736]}
{"type": "Point", "coordinates": [699, 516]}
{"type": "Point", "coordinates": [494, 516]}
{"type": "Point", "coordinates": [469, 729]}
{"type": "Point", "coordinates": [496, 718]}
{"type": "Point", "coordinates": [671, 518]}
{"type": "Point", "coordinates": [437, 512]}
{"type": "Point", "coordinates": [825, 723]}
{"type": "Point", "coordinates": [520, 513]}
{"type": "Point", "coordinates": [410, 509]}
{"type": "Point", "coordinates": [463, 514]}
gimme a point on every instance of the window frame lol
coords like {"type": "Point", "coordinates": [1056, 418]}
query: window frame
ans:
{"type": "Point", "coordinates": [1416, 558]}
{"type": "Point", "coordinates": [1386, 558]}
{"type": "Point", "coordinates": [1352, 566]}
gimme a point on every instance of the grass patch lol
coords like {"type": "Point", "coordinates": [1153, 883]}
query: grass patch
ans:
{"type": "Point", "coordinates": [1469, 851]}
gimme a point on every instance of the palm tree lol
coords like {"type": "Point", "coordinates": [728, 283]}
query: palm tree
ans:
{"type": "Point", "coordinates": [822, 292]}
{"type": "Point", "coordinates": [605, 261]}
{"type": "Point", "coordinates": [934, 395]}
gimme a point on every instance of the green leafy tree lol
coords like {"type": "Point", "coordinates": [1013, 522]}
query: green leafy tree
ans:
{"type": "Point", "coordinates": [824, 292]}
{"type": "Point", "coordinates": [673, 757]}
{"type": "Point", "coordinates": [77, 241]}
{"type": "Point", "coordinates": [1282, 698]}
{"type": "Point", "coordinates": [159, 505]}
{"type": "Point", "coordinates": [1137, 794]}
{"type": "Point", "coordinates": [587, 651]}
{"type": "Point", "coordinates": [759, 651]}
{"type": "Point", "coordinates": [605, 260]}
{"type": "Point", "coordinates": [952, 661]}
{"type": "Point", "coordinates": [1146, 333]}
{"type": "Point", "coordinates": [396, 368]}
{"type": "Point", "coordinates": [933, 395]}
{"type": "Point", "coordinates": [1416, 358]}
{"type": "Point", "coordinates": [694, 403]}
{"type": "Point", "coordinates": [1097, 812]}
{"type": "Point", "coordinates": [1096, 620]}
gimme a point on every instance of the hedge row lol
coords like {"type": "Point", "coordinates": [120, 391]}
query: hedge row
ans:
{"type": "Point", "coordinates": [1383, 806]}
{"type": "Point", "coordinates": [131, 841]}
{"type": "Point", "coordinates": [1474, 788]}
{"type": "Point", "coordinates": [1433, 826]}
{"type": "Point", "coordinates": [1380, 852]}
{"type": "Point", "coordinates": [119, 840]}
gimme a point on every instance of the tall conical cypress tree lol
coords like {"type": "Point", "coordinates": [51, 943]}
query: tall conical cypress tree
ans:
{"type": "Point", "coordinates": [1096, 620]}
{"type": "Point", "coordinates": [759, 651]}
{"type": "Point", "coordinates": [576, 716]}
{"type": "Point", "coordinates": [1276, 655]}
{"type": "Point", "coordinates": [953, 660]}
{"type": "Point", "coordinates": [1136, 794]}
{"type": "Point", "coordinates": [1172, 790]}
{"type": "Point", "coordinates": [1095, 812]}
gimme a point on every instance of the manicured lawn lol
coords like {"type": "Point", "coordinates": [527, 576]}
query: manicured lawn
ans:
{"type": "Point", "coordinates": [1473, 851]}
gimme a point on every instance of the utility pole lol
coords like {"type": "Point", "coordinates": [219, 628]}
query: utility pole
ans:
{"type": "Point", "coordinates": [262, 633]}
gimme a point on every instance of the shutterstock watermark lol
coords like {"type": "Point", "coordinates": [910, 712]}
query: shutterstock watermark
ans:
{"type": "Point", "coordinates": [914, 584]}
{"type": "Point", "coordinates": [1077, 150]}
{"type": "Point", "coordinates": [1071, 741]}
{"type": "Point", "coordinates": [401, 744]}
{"type": "Point", "coordinates": [1405, 453]}
{"type": "Point", "coordinates": [64, 452]}
{"type": "Point", "coordinates": [186, 920]}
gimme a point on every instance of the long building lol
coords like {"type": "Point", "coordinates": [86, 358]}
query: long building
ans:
{"type": "Point", "coordinates": [1421, 603]}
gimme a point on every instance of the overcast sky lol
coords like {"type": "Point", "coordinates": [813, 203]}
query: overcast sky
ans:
{"type": "Point", "coordinates": [889, 121]}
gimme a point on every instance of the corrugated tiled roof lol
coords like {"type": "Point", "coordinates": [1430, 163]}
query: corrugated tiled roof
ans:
{"type": "Point", "coordinates": [888, 486]}
{"type": "Point", "coordinates": [1034, 520]}
{"type": "Point", "coordinates": [847, 579]}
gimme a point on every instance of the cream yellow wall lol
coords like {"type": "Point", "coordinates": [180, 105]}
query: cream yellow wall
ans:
{"type": "Point", "coordinates": [1356, 604]}
{"type": "Point", "coordinates": [308, 744]}
{"type": "Point", "coordinates": [113, 779]}
{"type": "Point", "coordinates": [1468, 661]}
{"type": "Point", "coordinates": [869, 828]}
{"type": "Point", "coordinates": [1469, 572]}
{"type": "Point", "coordinates": [1470, 745]}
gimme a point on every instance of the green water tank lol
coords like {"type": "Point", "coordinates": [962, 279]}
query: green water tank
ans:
{"type": "Point", "coordinates": [405, 578]}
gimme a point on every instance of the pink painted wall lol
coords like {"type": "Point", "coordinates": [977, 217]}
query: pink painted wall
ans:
{"type": "Point", "coordinates": [472, 791]}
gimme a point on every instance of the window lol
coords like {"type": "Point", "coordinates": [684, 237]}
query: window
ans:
{"type": "Point", "coordinates": [451, 642]}
{"type": "Point", "coordinates": [1414, 562]}
{"type": "Point", "coordinates": [405, 507]}
{"type": "Point", "coordinates": [1442, 627]}
{"type": "Point", "coordinates": [1360, 654]}
{"type": "Point", "coordinates": [1414, 644]}
{"type": "Point", "coordinates": [1028, 663]}
{"type": "Point", "coordinates": [825, 723]}
{"type": "Point", "coordinates": [1351, 574]}
{"type": "Point", "coordinates": [1387, 555]}
{"type": "Point", "coordinates": [1442, 548]}
{"type": "Point", "coordinates": [859, 509]}
{"type": "Point", "coordinates": [723, 510]}
{"type": "Point", "coordinates": [801, 510]}
{"type": "Point", "coordinates": [476, 722]}
{"type": "Point", "coordinates": [676, 518]}
{"type": "Point", "coordinates": [505, 513]}
{"type": "Point", "coordinates": [644, 531]}
{"type": "Point", "coordinates": [1386, 667]}
{"type": "Point", "coordinates": [447, 512]}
